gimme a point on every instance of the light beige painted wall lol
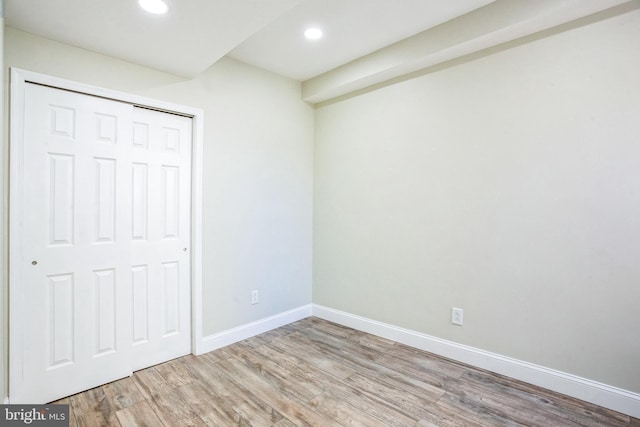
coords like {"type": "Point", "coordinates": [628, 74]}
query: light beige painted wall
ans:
{"type": "Point", "coordinates": [508, 186]}
{"type": "Point", "coordinates": [258, 148]}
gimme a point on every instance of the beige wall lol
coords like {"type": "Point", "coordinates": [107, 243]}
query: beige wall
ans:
{"type": "Point", "coordinates": [508, 186]}
{"type": "Point", "coordinates": [258, 148]}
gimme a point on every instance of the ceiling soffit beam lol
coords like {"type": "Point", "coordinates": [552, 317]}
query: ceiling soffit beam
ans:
{"type": "Point", "coordinates": [497, 23]}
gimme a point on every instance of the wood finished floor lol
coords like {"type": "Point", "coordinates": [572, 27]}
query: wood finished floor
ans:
{"type": "Point", "coordinates": [317, 373]}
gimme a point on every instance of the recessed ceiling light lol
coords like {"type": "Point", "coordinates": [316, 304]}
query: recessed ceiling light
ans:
{"type": "Point", "coordinates": [154, 6]}
{"type": "Point", "coordinates": [313, 33]}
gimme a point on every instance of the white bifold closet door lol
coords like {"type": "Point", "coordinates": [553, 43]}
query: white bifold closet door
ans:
{"type": "Point", "coordinates": [105, 280]}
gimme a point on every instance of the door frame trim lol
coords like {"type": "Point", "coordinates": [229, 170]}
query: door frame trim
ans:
{"type": "Point", "coordinates": [19, 79]}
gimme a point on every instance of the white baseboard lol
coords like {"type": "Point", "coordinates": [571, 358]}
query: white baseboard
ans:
{"type": "Point", "coordinates": [230, 336]}
{"type": "Point", "coordinates": [614, 398]}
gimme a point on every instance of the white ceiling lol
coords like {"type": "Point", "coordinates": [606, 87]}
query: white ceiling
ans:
{"type": "Point", "coordinates": [265, 33]}
{"type": "Point", "coordinates": [186, 41]}
{"type": "Point", "coordinates": [352, 29]}
{"type": "Point", "coordinates": [366, 42]}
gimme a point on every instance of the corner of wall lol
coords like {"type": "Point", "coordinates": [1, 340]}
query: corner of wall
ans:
{"type": "Point", "coordinates": [3, 223]}
{"type": "Point", "coordinates": [242, 332]}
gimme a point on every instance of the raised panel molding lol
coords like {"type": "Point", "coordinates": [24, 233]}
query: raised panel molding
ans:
{"type": "Point", "coordinates": [140, 202]}
{"type": "Point", "coordinates": [141, 135]}
{"type": "Point", "coordinates": [106, 128]}
{"type": "Point", "coordinates": [61, 195]}
{"type": "Point", "coordinates": [171, 297]}
{"type": "Point", "coordinates": [63, 121]}
{"type": "Point", "coordinates": [105, 193]}
{"type": "Point", "coordinates": [61, 327]}
{"type": "Point", "coordinates": [171, 139]}
{"type": "Point", "coordinates": [140, 285]}
{"type": "Point", "coordinates": [105, 311]}
{"type": "Point", "coordinates": [170, 200]}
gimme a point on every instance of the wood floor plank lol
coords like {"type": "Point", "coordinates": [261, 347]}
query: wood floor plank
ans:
{"type": "Point", "coordinates": [331, 366]}
{"type": "Point", "coordinates": [409, 403]}
{"type": "Point", "coordinates": [341, 411]}
{"type": "Point", "coordinates": [476, 412]}
{"type": "Point", "coordinates": [304, 370]}
{"type": "Point", "coordinates": [299, 368]}
{"type": "Point", "coordinates": [539, 406]}
{"type": "Point", "coordinates": [515, 403]}
{"type": "Point", "coordinates": [283, 331]}
{"type": "Point", "coordinates": [234, 404]}
{"type": "Point", "coordinates": [422, 408]}
{"type": "Point", "coordinates": [341, 333]}
{"type": "Point", "coordinates": [223, 396]}
{"type": "Point", "coordinates": [317, 373]}
{"type": "Point", "coordinates": [410, 361]}
{"type": "Point", "coordinates": [293, 409]}
{"type": "Point", "coordinates": [212, 356]}
{"type": "Point", "coordinates": [208, 406]}
{"type": "Point", "coordinates": [175, 373]}
{"type": "Point", "coordinates": [173, 410]}
{"type": "Point", "coordinates": [93, 408]}
{"type": "Point", "coordinates": [88, 401]}
{"type": "Point", "coordinates": [151, 383]}
{"type": "Point", "coordinates": [276, 374]}
{"type": "Point", "coordinates": [437, 371]}
{"type": "Point", "coordinates": [72, 417]}
{"type": "Point", "coordinates": [440, 417]}
{"type": "Point", "coordinates": [257, 414]}
{"type": "Point", "coordinates": [139, 415]}
{"type": "Point", "coordinates": [363, 361]}
{"type": "Point", "coordinates": [284, 423]}
{"type": "Point", "coordinates": [425, 370]}
{"type": "Point", "coordinates": [123, 393]}
{"type": "Point", "coordinates": [96, 419]}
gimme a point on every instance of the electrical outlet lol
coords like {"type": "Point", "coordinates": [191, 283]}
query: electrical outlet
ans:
{"type": "Point", "coordinates": [255, 297]}
{"type": "Point", "coordinates": [457, 316]}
